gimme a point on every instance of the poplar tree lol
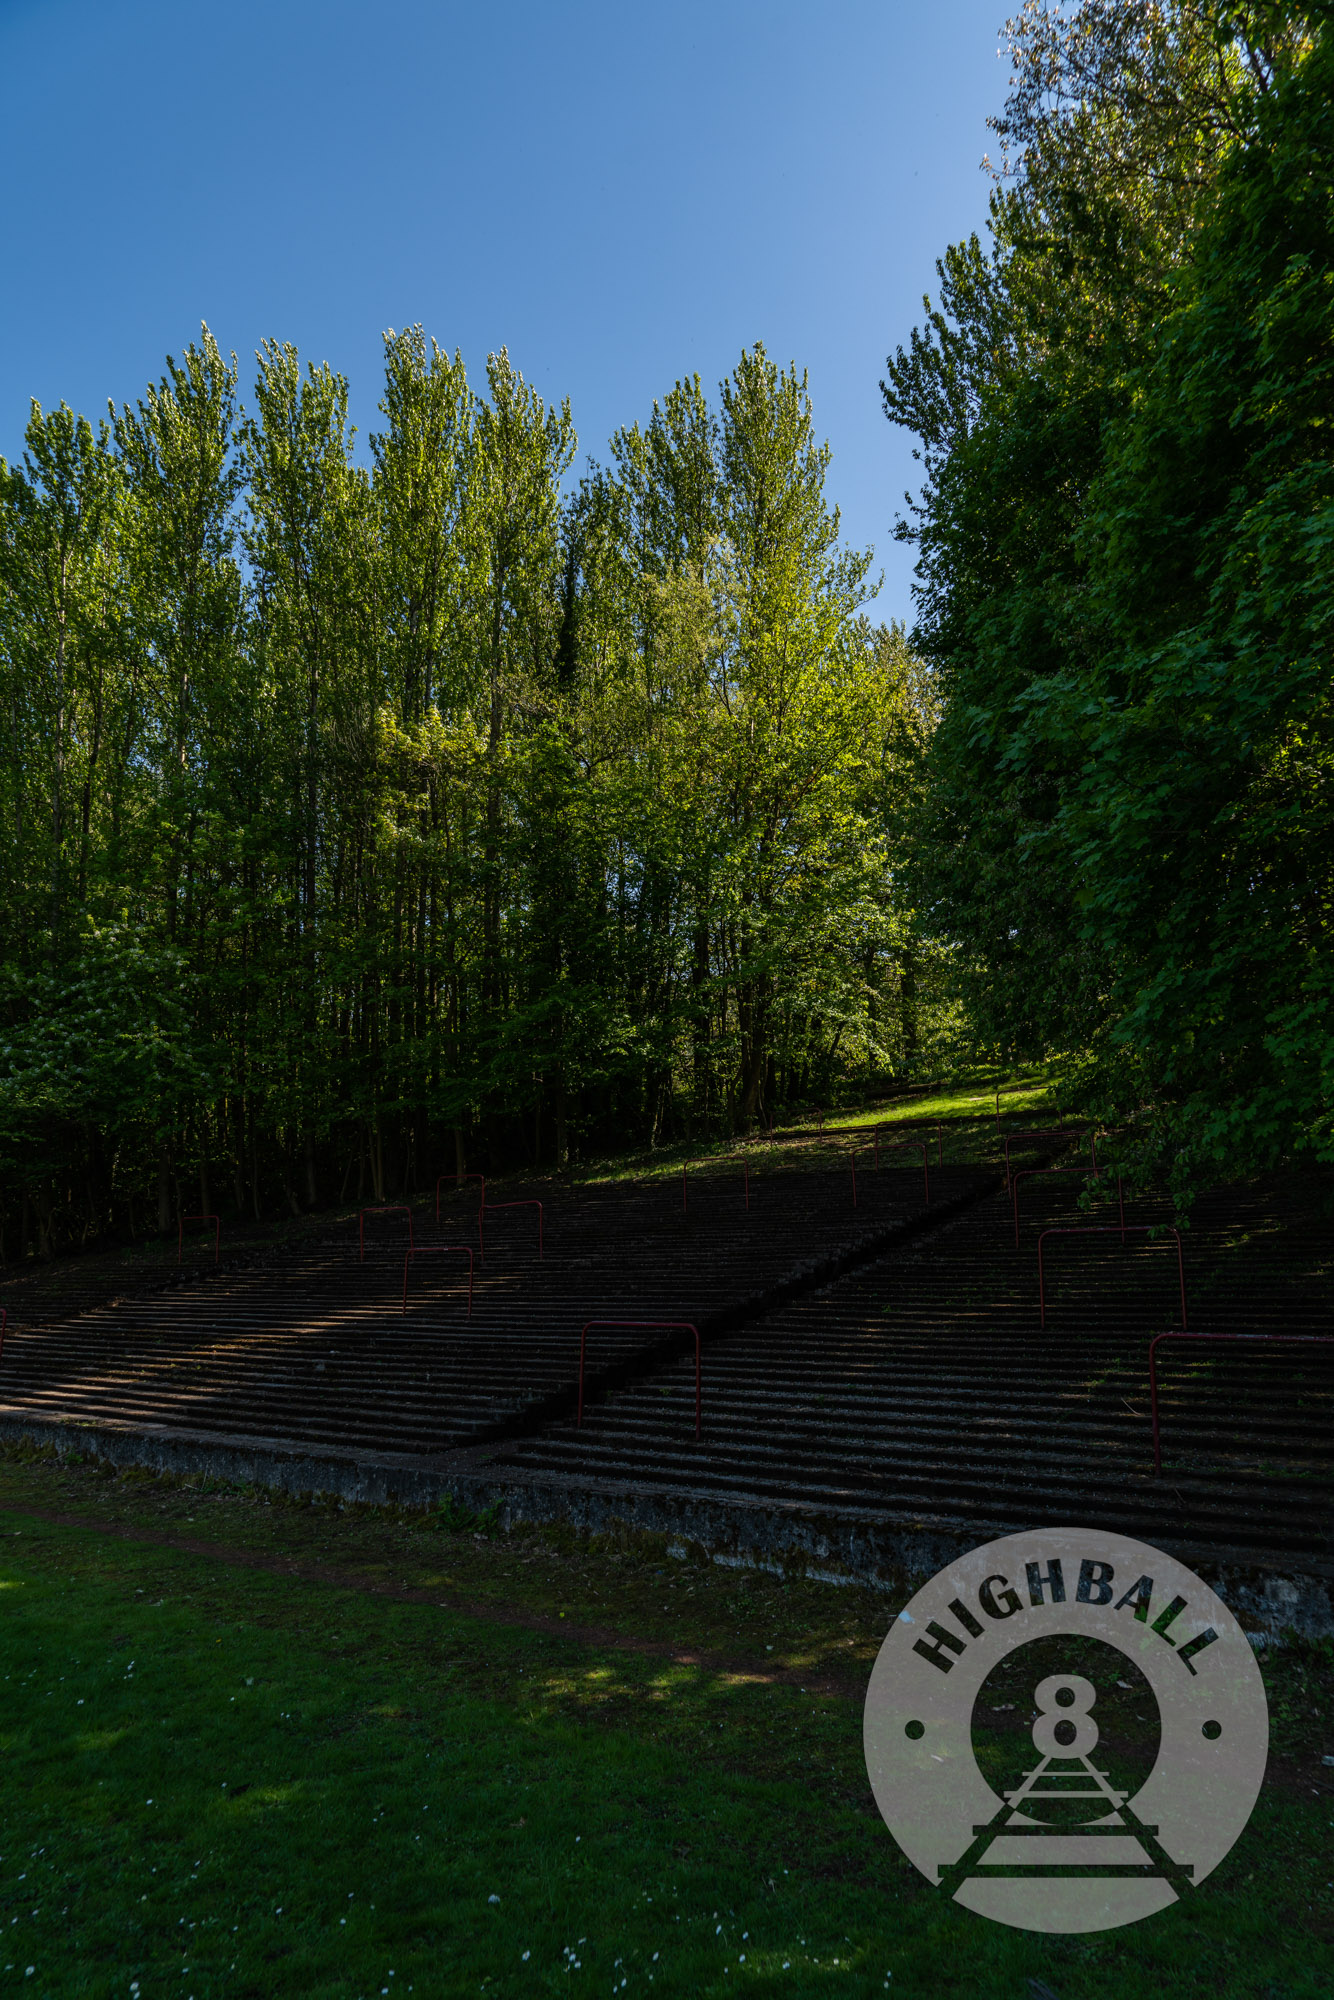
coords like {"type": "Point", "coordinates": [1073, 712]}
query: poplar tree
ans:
{"type": "Point", "coordinates": [362, 820]}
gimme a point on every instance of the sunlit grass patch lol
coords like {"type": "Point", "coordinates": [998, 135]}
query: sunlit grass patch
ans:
{"type": "Point", "coordinates": [303, 1789]}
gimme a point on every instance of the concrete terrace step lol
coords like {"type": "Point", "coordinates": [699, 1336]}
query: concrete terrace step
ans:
{"type": "Point", "coordinates": [914, 1404]}
{"type": "Point", "coordinates": [319, 1346]}
{"type": "Point", "coordinates": [924, 1387]}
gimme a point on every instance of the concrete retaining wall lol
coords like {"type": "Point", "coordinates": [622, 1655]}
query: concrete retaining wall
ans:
{"type": "Point", "coordinates": [888, 1555]}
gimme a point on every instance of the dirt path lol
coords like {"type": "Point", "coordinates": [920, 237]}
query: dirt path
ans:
{"type": "Point", "coordinates": [598, 1637]}
{"type": "Point", "coordinates": [1298, 1773]}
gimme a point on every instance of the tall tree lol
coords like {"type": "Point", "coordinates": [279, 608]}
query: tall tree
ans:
{"type": "Point", "coordinates": [356, 817]}
{"type": "Point", "coordinates": [1140, 141]}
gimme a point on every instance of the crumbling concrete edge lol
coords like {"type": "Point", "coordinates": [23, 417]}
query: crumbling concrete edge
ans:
{"type": "Point", "coordinates": [887, 1555]}
{"type": "Point", "coordinates": [1270, 1601]}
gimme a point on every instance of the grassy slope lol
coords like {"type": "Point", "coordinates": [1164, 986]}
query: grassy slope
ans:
{"type": "Point", "coordinates": [966, 1107]}
{"type": "Point", "coordinates": [304, 1754]}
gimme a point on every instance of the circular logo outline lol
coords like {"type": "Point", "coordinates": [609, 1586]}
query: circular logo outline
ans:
{"type": "Point", "coordinates": [984, 1850]}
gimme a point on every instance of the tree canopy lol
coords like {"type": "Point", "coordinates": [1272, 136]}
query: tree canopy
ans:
{"type": "Point", "coordinates": [360, 811]}
{"type": "Point", "coordinates": [363, 811]}
{"type": "Point", "coordinates": [1125, 573]}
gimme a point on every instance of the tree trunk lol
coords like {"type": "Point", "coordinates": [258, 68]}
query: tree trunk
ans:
{"type": "Point", "coordinates": [908, 1010]}
{"type": "Point", "coordinates": [164, 1191]}
{"type": "Point", "coordinates": [562, 1145]}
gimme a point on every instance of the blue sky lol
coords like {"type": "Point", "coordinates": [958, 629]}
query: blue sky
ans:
{"type": "Point", "coordinates": [622, 194]}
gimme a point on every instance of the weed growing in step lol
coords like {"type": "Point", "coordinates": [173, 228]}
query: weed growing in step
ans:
{"type": "Point", "coordinates": [451, 1514]}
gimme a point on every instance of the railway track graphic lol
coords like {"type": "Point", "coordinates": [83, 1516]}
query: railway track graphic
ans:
{"type": "Point", "coordinates": [1064, 1782]}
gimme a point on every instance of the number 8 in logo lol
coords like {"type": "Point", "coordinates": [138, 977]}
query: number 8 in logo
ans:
{"type": "Point", "coordinates": [1064, 1727]}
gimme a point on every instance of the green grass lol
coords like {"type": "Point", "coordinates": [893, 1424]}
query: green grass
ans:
{"type": "Point", "coordinates": [971, 1097]}
{"type": "Point", "coordinates": [303, 1756]}
{"type": "Point", "coordinates": [966, 1106]}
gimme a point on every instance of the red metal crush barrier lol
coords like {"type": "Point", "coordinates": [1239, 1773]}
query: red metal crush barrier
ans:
{"type": "Point", "coordinates": [939, 1130]}
{"type": "Point", "coordinates": [1219, 1340]}
{"type": "Point", "coordinates": [1040, 1173]}
{"type": "Point", "coordinates": [745, 1175]}
{"type": "Point", "coordinates": [481, 1241]}
{"type": "Point", "coordinates": [897, 1145]}
{"type": "Point", "coordinates": [932, 1126]}
{"type": "Point", "coordinates": [392, 1208]}
{"type": "Point", "coordinates": [217, 1234]}
{"type": "Point", "coordinates": [1094, 1229]}
{"type": "Point", "coordinates": [872, 1133]}
{"type": "Point", "coordinates": [458, 1180]}
{"type": "Point", "coordinates": [439, 1250]}
{"type": "Point", "coordinates": [1014, 1137]}
{"type": "Point", "coordinates": [662, 1325]}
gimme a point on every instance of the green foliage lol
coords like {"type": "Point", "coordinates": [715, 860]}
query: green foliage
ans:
{"type": "Point", "coordinates": [452, 1515]}
{"type": "Point", "coordinates": [357, 817]}
{"type": "Point", "coordinates": [1126, 574]}
{"type": "Point", "coordinates": [302, 1759]}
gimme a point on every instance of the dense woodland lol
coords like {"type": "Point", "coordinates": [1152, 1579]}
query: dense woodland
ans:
{"type": "Point", "coordinates": [1125, 401]}
{"type": "Point", "coordinates": [360, 818]}
{"type": "Point", "coordinates": [364, 811]}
